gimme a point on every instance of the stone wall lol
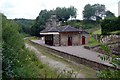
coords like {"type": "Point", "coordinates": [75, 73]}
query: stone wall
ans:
{"type": "Point", "coordinates": [56, 40]}
{"type": "Point", "coordinates": [64, 39]}
{"type": "Point", "coordinates": [79, 60]}
{"type": "Point", "coordinates": [110, 39]}
{"type": "Point", "coordinates": [114, 48]}
{"type": "Point", "coordinates": [75, 38]}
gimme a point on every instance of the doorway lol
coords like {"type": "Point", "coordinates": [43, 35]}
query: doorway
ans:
{"type": "Point", "coordinates": [83, 40]}
{"type": "Point", "coordinates": [49, 40]}
{"type": "Point", "coordinates": [69, 41]}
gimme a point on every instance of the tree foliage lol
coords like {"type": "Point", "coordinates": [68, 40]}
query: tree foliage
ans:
{"type": "Point", "coordinates": [25, 25]}
{"type": "Point", "coordinates": [12, 44]}
{"type": "Point", "coordinates": [40, 21]}
{"type": "Point", "coordinates": [109, 14]}
{"type": "Point", "coordinates": [96, 12]}
{"type": "Point", "coordinates": [110, 24]}
{"type": "Point", "coordinates": [88, 12]}
{"type": "Point", "coordinates": [65, 13]}
{"type": "Point", "coordinates": [62, 14]}
{"type": "Point", "coordinates": [17, 61]}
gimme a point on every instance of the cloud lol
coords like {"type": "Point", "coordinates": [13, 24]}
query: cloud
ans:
{"type": "Point", "coordinates": [31, 8]}
{"type": "Point", "coordinates": [22, 8]}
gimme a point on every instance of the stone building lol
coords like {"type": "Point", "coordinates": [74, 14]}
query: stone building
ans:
{"type": "Point", "coordinates": [57, 35]}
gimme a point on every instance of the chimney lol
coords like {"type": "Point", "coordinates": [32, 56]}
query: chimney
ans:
{"type": "Point", "coordinates": [54, 20]}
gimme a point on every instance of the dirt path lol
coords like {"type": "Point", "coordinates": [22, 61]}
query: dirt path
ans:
{"type": "Point", "coordinates": [59, 66]}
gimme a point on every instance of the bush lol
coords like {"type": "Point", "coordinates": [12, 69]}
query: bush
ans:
{"type": "Point", "coordinates": [109, 25]}
{"type": "Point", "coordinates": [17, 61]}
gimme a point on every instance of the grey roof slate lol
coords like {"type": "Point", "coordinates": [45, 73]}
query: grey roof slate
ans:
{"type": "Point", "coordinates": [66, 28]}
{"type": "Point", "coordinates": [53, 29]}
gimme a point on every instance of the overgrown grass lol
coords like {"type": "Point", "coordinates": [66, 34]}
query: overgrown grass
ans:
{"type": "Point", "coordinates": [93, 42]}
{"type": "Point", "coordinates": [31, 67]}
{"type": "Point", "coordinates": [115, 32]}
{"type": "Point", "coordinates": [33, 38]}
{"type": "Point", "coordinates": [48, 72]}
{"type": "Point", "coordinates": [26, 39]}
{"type": "Point", "coordinates": [97, 32]}
{"type": "Point", "coordinates": [113, 61]}
{"type": "Point", "coordinates": [89, 26]}
{"type": "Point", "coordinates": [79, 68]}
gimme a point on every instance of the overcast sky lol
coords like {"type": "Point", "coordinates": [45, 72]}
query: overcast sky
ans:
{"type": "Point", "coordinates": [30, 9]}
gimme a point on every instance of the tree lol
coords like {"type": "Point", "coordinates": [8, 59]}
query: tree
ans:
{"type": "Point", "coordinates": [99, 10]}
{"type": "Point", "coordinates": [110, 24]}
{"type": "Point", "coordinates": [40, 21]}
{"type": "Point", "coordinates": [25, 25]}
{"type": "Point", "coordinates": [65, 13]}
{"type": "Point", "coordinates": [12, 44]}
{"type": "Point", "coordinates": [96, 12]}
{"type": "Point", "coordinates": [72, 11]}
{"type": "Point", "coordinates": [118, 21]}
{"type": "Point", "coordinates": [62, 14]}
{"type": "Point", "coordinates": [109, 14]}
{"type": "Point", "coordinates": [17, 61]}
{"type": "Point", "coordinates": [88, 12]}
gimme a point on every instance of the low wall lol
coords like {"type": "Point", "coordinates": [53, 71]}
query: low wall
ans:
{"type": "Point", "coordinates": [112, 46]}
{"type": "Point", "coordinates": [79, 60]}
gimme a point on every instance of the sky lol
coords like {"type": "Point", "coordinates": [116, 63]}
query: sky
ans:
{"type": "Point", "coordinates": [30, 9]}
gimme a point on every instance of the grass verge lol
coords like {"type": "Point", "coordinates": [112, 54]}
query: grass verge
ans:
{"type": "Point", "coordinates": [97, 32]}
{"type": "Point", "coordinates": [77, 67]}
{"type": "Point", "coordinates": [31, 67]}
{"type": "Point", "coordinates": [93, 42]}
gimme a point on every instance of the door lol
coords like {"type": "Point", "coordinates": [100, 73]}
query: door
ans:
{"type": "Point", "coordinates": [83, 40]}
{"type": "Point", "coordinates": [69, 41]}
{"type": "Point", "coordinates": [49, 40]}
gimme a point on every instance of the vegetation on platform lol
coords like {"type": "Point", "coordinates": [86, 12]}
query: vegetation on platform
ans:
{"type": "Point", "coordinates": [93, 41]}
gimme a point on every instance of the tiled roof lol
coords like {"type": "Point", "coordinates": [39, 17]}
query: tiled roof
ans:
{"type": "Point", "coordinates": [66, 28]}
{"type": "Point", "coordinates": [53, 29]}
